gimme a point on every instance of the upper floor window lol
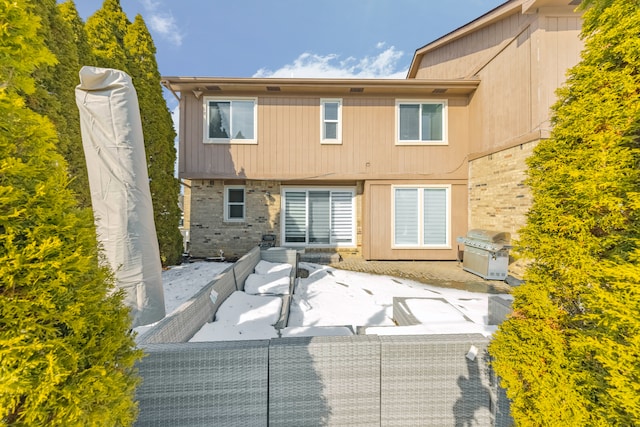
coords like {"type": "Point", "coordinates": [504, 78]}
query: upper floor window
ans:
{"type": "Point", "coordinates": [331, 112]}
{"type": "Point", "coordinates": [234, 203]}
{"type": "Point", "coordinates": [230, 120]}
{"type": "Point", "coordinates": [422, 122]}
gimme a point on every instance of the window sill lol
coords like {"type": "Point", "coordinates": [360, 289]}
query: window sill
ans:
{"type": "Point", "coordinates": [423, 143]}
{"type": "Point", "coordinates": [430, 248]}
{"type": "Point", "coordinates": [230, 142]}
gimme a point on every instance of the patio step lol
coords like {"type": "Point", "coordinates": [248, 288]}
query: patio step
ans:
{"type": "Point", "coordinates": [320, 257]}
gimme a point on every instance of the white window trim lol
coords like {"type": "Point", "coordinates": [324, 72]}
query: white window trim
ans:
{"type": "Point", "coordinates": [420, 245]}
{"type": "Point", "coordinates": [445, 121]}
{"type": "Point", "coordinates": [338, 139]}
{"type": "Point", "coordinates": [205, 120]}
{"type": "Point", "coordinates": [353, 243]}
{"type": "Point", "coordinates": [226, 203]}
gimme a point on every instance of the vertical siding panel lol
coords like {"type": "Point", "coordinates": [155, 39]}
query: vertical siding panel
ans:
{"type": "Point", "coordinates": [260, 149]}
{"type": "Point", "coordinates": [311, 132]}
{"type": "Point", "coordinates": [200, 157]}
{"type": "Point", "coordinates": [283, 136]}
{"type": "Point", "coordinates": [280, 155]}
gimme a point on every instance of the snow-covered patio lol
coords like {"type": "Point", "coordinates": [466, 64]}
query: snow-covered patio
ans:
{"type": "Point", "coordinates": [327, 351]}
{"type": "Point", "coordinates": [328, 300]}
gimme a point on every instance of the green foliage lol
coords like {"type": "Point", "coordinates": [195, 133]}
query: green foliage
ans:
{"type": "Point", "coordinates": [577, 312]}
{"type": "Point", "coordinates": [69, 14]}
{"type": "Point", "coordinates": [18, 27]}
{"type": "Point", "coordinates": [159, 137]}
{"type": "Point", "coordinates": [55, 93]}
{"type": "Point", "coordinates": [66, 356]}
{"type": "Point", "coordinates": [105, 33]}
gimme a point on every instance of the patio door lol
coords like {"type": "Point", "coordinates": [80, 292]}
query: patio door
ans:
{"type": "Point", "coordinates": [318, 217]}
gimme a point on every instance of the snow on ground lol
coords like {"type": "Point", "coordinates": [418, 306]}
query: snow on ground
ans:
{"type": "Point", "coordinates": [331, 301]}
{"type": "Point", "coordinates": [181, 282]}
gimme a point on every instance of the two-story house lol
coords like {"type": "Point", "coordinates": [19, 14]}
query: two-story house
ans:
{"type": "Point", "coordinates": [383, 169]}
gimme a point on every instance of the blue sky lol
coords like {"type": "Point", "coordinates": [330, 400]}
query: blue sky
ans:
{"type": "Point", "coordinates": [294, 38]}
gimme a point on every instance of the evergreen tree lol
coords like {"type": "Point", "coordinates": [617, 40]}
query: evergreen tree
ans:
{"type": "Point", "coordinates": [159, 136]}
{"type": "Point", "coordinates": [105, 30]}
{"type": "Point", "coordinates": [570, 353]}
{"type": "Point", "coordinates": [66, 356]}
{"type": "Point", "coordinates": [55, 93]}
{"type": "Point", "coordinates": [69, 14]}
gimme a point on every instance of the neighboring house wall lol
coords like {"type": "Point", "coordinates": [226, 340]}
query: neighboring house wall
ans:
{"type": "Point", "coordinates": [464, 56]}
{"type": "Point", "coordinates": [498, 196]}
{"type": "Point", "coordinates": [521, 59]}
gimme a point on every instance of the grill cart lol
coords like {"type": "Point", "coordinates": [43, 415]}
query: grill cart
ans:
{"type": "Point", "coordinates": [486, 253]}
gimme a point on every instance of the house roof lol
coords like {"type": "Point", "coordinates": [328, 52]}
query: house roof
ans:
{"type": "Point", "coordinates": [323, 87]}
{"type": "Point", "coordinates": [506, 9]}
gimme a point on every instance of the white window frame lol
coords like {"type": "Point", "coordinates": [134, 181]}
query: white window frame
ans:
{"type": "Point", "coordinates": [227, 203]}
{"type": "Point", "coordinates": [324, 121]}
{"type": "Point", "coordinates": [421, 244]}
{"type": "Point", "coordinates": [445, 121]}
{"type": "Point", "coordinates": [230, 140]}
{"type": "Point", "coordinates": [283, 190]}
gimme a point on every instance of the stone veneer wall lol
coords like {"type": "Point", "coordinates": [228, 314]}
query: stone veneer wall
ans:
{"type": "Point", "coordinates": [209, 233]}
{"type": "Point", "coordinates": [498, 198]}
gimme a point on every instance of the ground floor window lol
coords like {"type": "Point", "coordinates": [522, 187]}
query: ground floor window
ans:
{"type": "Point", "coordinates": [421, 216]}
{"type": "Point", "coordinates": [234, 203]}
{"type": "Point", "coordinates": [319, 216]}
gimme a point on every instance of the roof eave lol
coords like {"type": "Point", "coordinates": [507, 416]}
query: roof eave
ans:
{"type": "Point", "coordinates": [292, 85]}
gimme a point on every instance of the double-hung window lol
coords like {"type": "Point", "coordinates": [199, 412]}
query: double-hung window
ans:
{"type": "Point", "coordinates": [421, 216]}
{"type": "Point", "coordinates": [230, 120]}
{"type": "Point", "coordinates": [318, 217]}
{"type": "Point", "coordinates": [422, 122]}
{"type": "Point", "coordinates": [234, 203]}
{"type": "Point", "coordinates": [331, 117]}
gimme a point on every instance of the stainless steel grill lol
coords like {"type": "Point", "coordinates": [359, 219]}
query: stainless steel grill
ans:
{"type": "Point", "coordinates": [486, 253]}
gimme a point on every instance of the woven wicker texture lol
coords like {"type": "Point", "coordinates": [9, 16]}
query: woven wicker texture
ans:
{"type": "Point", "coordinates": [204, 384]}
{"type": "Point", "coordinates": [181, 325]}
{"type": "Point", "coordinates": [499, 308]}
{"type": "Point", "coordinates": [324, 381]}
{"type": "Point", "coordinates": [427, 380]}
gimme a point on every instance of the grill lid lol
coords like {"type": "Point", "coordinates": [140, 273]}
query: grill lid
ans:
{"type": "Point", "coordinates": [489, 236]}
{"type": "Point", "coordinates": [486, 239]}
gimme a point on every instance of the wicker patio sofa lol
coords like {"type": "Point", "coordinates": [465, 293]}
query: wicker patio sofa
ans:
{"type": "Point", "coordinates": [202, 307]}
{"type": "Point", "coordinates": [358, 380]}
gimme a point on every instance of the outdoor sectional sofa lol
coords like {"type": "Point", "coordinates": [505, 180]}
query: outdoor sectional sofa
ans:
{"type": "Point", "coordinates": [359, 380]}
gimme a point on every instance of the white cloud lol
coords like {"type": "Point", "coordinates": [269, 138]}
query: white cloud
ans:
{"type": "Point", "coordinates": [162, 22]}
{"type": "Point", "coordinates": [309, 65]}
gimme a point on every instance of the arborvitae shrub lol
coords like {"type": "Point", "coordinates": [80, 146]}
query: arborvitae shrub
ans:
{"type": "Point", "coordinates": [570, 353]}
{"type": "Point", "coordinates": [66, 354]}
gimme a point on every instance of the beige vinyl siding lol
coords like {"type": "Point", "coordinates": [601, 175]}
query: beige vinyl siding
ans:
{"type": "Point", "coordinates": [558, 49]}
{"type": "Point", "coordinates": [377, 239]}
{"type": "Point", "coordinates": [520, 60]}
{"type": "Point", "coordinates": [462, 57]}
{"type": "Point", "coordinates": [288, 143]}
{"type": "Point", "coordinates": [502, 106]}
